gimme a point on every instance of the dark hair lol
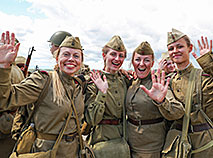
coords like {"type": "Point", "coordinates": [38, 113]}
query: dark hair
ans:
{"type": "Point", "coordinates": [188, 42]}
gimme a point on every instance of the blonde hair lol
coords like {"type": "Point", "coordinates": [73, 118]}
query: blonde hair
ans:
{"type": "Point", "coordinates": [59, 93]}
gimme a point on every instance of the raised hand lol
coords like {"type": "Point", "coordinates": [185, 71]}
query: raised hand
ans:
{"type": "Point", "coordinates": [159, 88]}
{"type": "Point", "coordinates": [101, 84]}
{"type": "Point", "coordinates": [8, 50]}
{"type": "Point", "coordinates": [204, 47]}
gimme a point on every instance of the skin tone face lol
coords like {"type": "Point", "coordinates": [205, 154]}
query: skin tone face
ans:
{"type": "Point", "coordinates": [170, 66]}
{"type": "Point", "coordinates": [69, 60]}
{"type": "Point", "coordinates": [142, 65]}
{"type": "Point", "coordinates": [53, 48]}
{"type": "Point", "coordinates": [113, 60]}
{"type": "Point", "coordinates": [179, 53]}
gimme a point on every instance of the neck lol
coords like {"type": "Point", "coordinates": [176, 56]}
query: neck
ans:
{"type": "Point", "coordinates": [183, 66]}
{"type": "Point", "coordinates": [109, 71]}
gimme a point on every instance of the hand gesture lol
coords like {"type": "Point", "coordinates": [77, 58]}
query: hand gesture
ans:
{"type": "Point", "coordinates": [159, 89]}
{"type": "Point", "coordinates": [8, 50]}
{"type": "Point", "coordinates": [101, 84]}
{"type": "Point", "coordinates": [204, 47]}
{"type": "Point", "coordinates": [162, 64]}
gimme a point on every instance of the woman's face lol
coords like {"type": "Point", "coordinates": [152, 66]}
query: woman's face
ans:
{"type": "Point", "coordinates": [142, 64]}
{"type": "Point", "coordinates": [113, 60]}
{"type": "Point", "coordinates": [69, 60]}
{"type": "Point", "coordinates": [179, 52]}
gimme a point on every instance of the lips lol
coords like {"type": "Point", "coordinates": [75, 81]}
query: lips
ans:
{"type": "Point", "coordinates": [70, 65]}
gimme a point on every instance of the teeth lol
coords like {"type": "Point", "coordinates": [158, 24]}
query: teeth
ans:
{"type": "Point", "coordinates": [117, 64]}
{"type": "Point", "coordinates": [70, 66]}
{"type": "Point", "coordinates": [141, 69]}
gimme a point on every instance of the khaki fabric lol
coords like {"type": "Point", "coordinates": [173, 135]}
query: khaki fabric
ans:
{"type": "Point", "coordinates": [174, 36]}
{"type": "Point", "coordinates": [6, 142]}
{"type": "Point", "coordinates": [179, 89]}
{"type": "Point", "coordinates": [116, 43]}
{"type": "Point", "coordinates": [71, 42]}
{"type": "Point", "coordinates": [147, 139]}
{"type": "Point", "coordinates": [145, 155]}
{"type": "Point", "coordinates": [49, 116]}
{"type": "Point", "coordinates": [105, 106]}
{"type": "Point", "coordinates": [144, 49]}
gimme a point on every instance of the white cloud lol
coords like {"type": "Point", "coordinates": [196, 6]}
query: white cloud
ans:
{"type": "Point", "coordinates": [96, 21]}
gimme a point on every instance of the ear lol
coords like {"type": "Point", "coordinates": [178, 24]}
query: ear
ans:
{"type": "Point", "coordinates": [190, 48]}
{"type": "Point", "coordinates": [153, 61]}
{"type": "Point", "coordinates": [103, 55]}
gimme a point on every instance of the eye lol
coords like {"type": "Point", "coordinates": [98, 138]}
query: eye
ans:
{"type": "Point", "coordinates": [147, 60]}
{"type": "Point", "coordinates": [121, 56]}
{"type": "Point", "coordinates": [76, 56]}
{"type": "Point", "coordinates": [66, 54]}
{"type": "Point", "coordinates": [170, 48]}
{"type": "Point", "coordinates": [113, 54]}
{"type": "Point", "coordinates": [138, 59]}
{"type": "Point", "coordinates": [180, 46]}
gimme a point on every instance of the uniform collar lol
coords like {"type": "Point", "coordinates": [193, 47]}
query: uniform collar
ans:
{"type": "Point", "coordinates": [144, 80]}
{"type": "Point", "coordinates": [65, 78]}
{"type": "Point", "coordinates": [186, 70]}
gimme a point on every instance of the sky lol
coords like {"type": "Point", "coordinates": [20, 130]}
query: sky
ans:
{"type": "Point", "coordinates": [96, 21]}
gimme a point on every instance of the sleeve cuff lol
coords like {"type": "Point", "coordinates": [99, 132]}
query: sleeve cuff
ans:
{"type": "Point", "coordinates": [205, 60]}
{"type": "Point", "coordinates": [158, 104]}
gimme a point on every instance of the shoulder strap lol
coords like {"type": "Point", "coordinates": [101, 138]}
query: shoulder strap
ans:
{"type": "Point", "coordinates": [188, 103]}
{"type": "Point", "coordinates": [199, 99]}
{"type": "Point", "coordinates": [38, 102]}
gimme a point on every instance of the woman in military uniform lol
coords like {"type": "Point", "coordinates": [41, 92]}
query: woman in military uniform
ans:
{"type": "Point", "coordinates": [105, 110]}
{"type": "Point", "coordinates": [51, 114]}
{"type": "Point", "coordinates": [200, 129]}
{"type": "Point", "coordinates": [146, 126]}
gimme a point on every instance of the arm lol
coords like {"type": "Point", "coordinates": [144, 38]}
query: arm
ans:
{"type": "Point", "coordinates": [205, 59]}
{"type": "Point", "coordinates": [95, 99]}
{"type": "Point", "coordinates": [163, 97]}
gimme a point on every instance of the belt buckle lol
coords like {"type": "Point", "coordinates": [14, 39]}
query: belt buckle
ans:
{"type": "Point", "coordinates": [192, 128]}
{"type": "Point", "coordinates": [68, 138]}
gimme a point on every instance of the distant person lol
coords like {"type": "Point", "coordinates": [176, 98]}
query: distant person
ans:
{"type": "Point", "coordinates": [166, 64]}
{"type": "Point", "coordinates": [56, 39]}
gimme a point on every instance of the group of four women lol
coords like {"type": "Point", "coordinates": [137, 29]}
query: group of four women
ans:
{"type": "Point", "coordinates": [149, 99]}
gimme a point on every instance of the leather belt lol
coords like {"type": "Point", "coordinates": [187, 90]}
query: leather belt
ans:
{"type": "Point", "coordinates": [53, 137]}
{"type": "Point", "coordinates": [145, 122]}
{"type": "Point", "coordinates": [110, 122]}
{"type": "Point", "coordinates": [193, 128]}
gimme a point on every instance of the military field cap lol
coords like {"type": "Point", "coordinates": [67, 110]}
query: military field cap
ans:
{"type": "Point", "coordinates": [116, 43]}
{"type": "Point", "coordinates": [71, 42]}
{"type": "Point", "coordinates": [174, 36]}
{"type": "Point", "coordinates": [20, 60]}
{"type": "Point", "coordinates": [144, 49]}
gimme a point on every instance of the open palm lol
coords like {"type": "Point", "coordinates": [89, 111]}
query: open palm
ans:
{"type": "Point", "coordinates": [101, 84]}
{"type": "Point", "coordinates": [8, 50]}
{"type": "Point", "coordinates": [159, 88]}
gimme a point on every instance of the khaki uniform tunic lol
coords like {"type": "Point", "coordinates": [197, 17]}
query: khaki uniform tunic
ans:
{"type": "Point", "coordinates": [49, 117]}
{"type": "Point", "coordinates": [6, 142]}
{"type": "Point", "coordinates": [105, 106]}
{"type": "Point", "coordinates": [146, 141]}
{"type": "Point", "coordinates": [179, 87]}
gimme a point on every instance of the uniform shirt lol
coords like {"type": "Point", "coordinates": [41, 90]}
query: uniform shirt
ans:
{"type": "Point", "coordinates": [147, 138]}
{"type": "Point", "coordinates": [179, 88]}
{"type": "Point", "coordinates": [106, 106]}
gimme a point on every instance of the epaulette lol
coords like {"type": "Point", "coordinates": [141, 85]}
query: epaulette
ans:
{"type": "Point", "coordinates": [205, 74]}
{"type": "Point", "coordinates": [44, 72]}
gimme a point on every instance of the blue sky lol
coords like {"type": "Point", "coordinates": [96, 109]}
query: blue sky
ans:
{"type": "Point", "coordinates": [96, 21]}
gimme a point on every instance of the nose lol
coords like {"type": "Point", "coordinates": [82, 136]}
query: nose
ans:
{"type": "Point", "coordinates": [142, 62]}
{"type": "Point", "coordinates": [117, 57]}
{"type": "Point", "coordinates": [71, 58]}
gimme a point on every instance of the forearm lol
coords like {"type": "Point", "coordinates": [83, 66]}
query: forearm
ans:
{"type": "Point", "coordinates": [206, 63]}
{"type": "Point", "coordinates": [95, 109]}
